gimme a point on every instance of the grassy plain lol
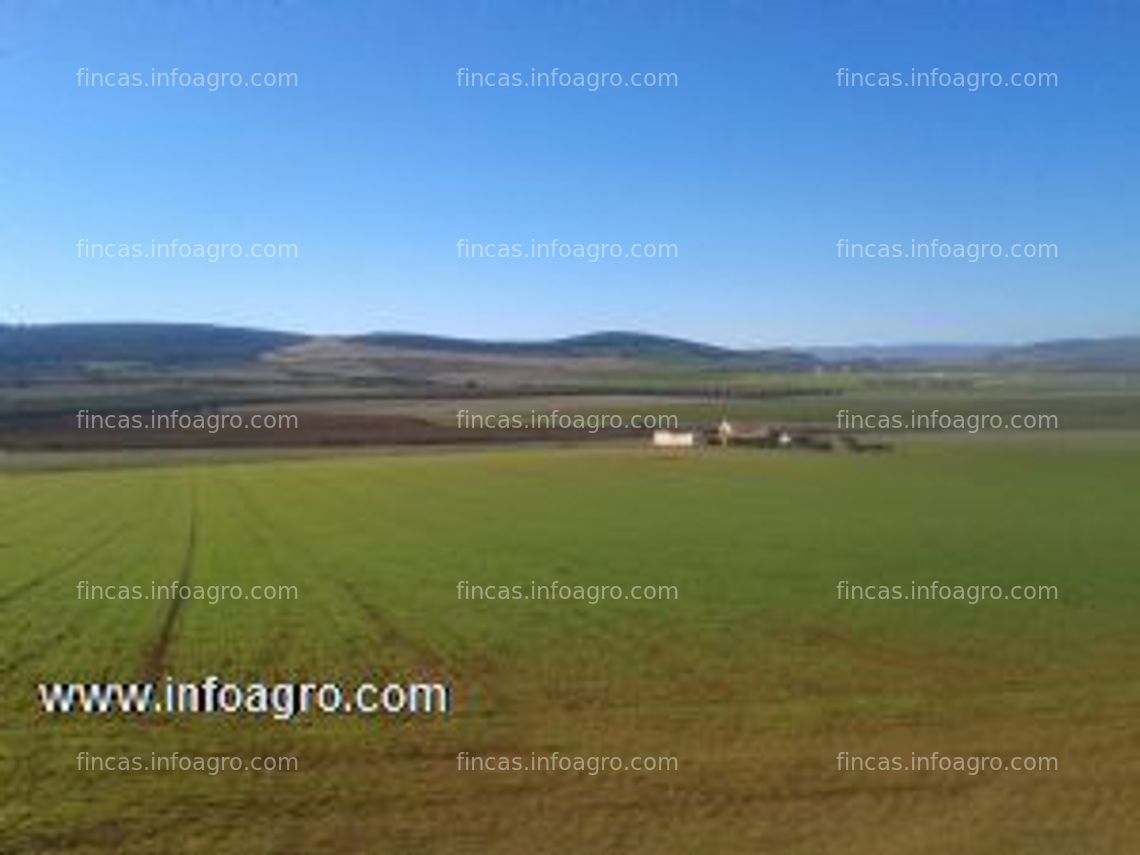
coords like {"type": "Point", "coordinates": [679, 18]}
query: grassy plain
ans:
{"type": "Point", "coordinates": [754, 678]}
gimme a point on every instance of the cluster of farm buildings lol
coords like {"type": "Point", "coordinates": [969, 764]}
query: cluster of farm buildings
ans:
{"type": "Point", "coordinates": [764, 436]}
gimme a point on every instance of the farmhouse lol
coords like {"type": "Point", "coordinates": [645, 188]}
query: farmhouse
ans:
{"type": "Point", "coordinates": [799, 437]}
{"type": "Point", "coordinates": [673, 439]}
{"type": "Point", "coordinates": [768, 436]}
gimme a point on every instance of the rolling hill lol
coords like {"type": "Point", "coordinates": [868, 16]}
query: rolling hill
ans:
{"type": "Point", "coordinates": [71, 345]}
{"type": "Point", "coordinates": [628, 345]}
{"type": "Point", "coordinates": [29, 349]}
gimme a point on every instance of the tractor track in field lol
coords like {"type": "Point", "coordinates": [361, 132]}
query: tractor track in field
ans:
{"type": "Point", "coordinates": [42, 646]}
{"type": "Point", "coordinates": [43, 511]}
{"type": "Point", "coordinates": [388, 634]}
{"type": "Point", "coordinates": [156, 655]}
{"type": "Point", "coordinates": [476, 671]}
{"type": "Point", "coordinates": [265, 535]}
{"type": "Point", "coordinates": [76, 557]}
{"type": "Point", "coordinates": [383, 629]}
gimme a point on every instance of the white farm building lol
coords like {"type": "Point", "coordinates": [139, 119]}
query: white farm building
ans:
{"type": "Point", "coordinates": [674, 439]}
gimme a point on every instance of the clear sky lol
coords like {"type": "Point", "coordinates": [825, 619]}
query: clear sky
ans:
{"type": "Point", "coordinates": [754, 165]}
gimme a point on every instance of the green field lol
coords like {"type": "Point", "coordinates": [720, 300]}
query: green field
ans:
{"type": "Point", "coordinates": [754, 678]}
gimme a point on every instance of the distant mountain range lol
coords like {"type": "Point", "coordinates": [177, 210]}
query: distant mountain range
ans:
{"type": "Point", "coordinates": [629, 345]}
{"type": "Point", "coordinates": [919, 352]}
{"type": "Point", "coordinates": [1121, 353]}
{"type": "Point", "coordinates": [62, 345]}
{"type": "Point", "coordinates": [1089, 354]}
{"type": "Point", "coordinates": [188, 345]}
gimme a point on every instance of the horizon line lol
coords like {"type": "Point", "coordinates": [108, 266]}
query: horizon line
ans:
{"type": "Point", "coordinates": [858, 344]}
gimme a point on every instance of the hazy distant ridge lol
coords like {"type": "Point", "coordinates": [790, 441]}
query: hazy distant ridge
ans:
{"type": "Point", "coordinates": [1090, 354]}
{"type": "Point", "coordinates": [153, 344]}
{"type": "Point", "coordinates": [632, 345]}
{"type": "Point", "coordinates": [172, 345]}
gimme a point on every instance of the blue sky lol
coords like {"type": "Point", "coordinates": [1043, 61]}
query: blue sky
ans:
{"type": "Point", "coordinates": [754, 165]}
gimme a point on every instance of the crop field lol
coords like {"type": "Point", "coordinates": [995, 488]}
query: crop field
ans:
{"type": "Point", "coordinates": [755, 677]}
